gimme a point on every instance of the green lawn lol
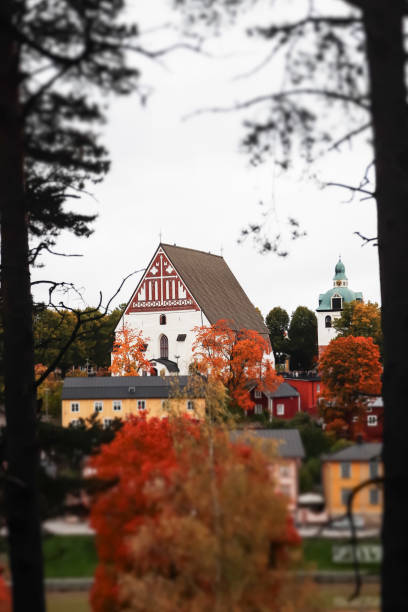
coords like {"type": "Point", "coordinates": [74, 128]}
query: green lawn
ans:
{"type": "Point", "coordinates": [69, 556]}
{"type": "Point", "coordinates": [317, 552]}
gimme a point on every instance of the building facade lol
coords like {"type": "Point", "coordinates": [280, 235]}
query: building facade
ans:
{"type": "Point", "coordinates": [182, 289]}
{"type": "Point", "coordinates": [331, 304]}
{"type": "Point", "coordinates": [343, 471]}
{"type": "Point", "coordinates": [113, 397]}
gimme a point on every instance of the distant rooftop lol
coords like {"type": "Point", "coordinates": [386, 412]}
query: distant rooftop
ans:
{"type": "Point", "coordinates": [121, 387]}
{"type": "Point", "coordinates": [367, 451]}
{"type": "Point", "coordinates": [288, 441]}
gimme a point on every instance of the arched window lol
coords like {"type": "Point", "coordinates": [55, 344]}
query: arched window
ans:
{"type": "Point", "coordinates": [328, 321]}
{"type": "Point", "coordinates": [164, 347]}
{"type": "Point", "coordinates": [163, 320]}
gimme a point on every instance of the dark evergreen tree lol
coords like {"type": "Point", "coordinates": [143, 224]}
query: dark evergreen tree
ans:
{"type": "Point", "coordinates": [303, 339]}
{"type": "Point", "coordinates": [58, 58]}
{"type": "Point", "coordinates": [277, 322]}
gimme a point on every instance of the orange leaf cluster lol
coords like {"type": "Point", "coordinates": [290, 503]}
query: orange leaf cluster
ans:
{"type": "Point", "coordinates": [128, 357]}
{"type": "Point", "coordinates": [183, 524]}
{"type": "Point", "coordinates": [239, 359]}
{"type": "Point", "coordinates": [351, 370]}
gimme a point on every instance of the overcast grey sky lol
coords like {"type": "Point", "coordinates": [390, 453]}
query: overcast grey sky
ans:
{"type": "Point", "coordinates": [188, 180]}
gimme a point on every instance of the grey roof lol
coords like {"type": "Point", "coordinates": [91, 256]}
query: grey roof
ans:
{"type": "Point", "coordinates": [358, 452]}
{"type": "Point", "coordinates": [289, 441]}
{"type": "Point", "coordinates": [215, 288]}
{"type": "Point", "coordinates": [284, 390]}
{"type": "Point", "coordinates": [117, 387]}
{"type": "Point", "coordinates": [170, 365]}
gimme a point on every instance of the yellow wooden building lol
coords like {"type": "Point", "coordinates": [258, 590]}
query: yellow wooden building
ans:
{"type": "Point", "coordinates": [121, 396]}
{"type": "Point", "coordinates": [344, 470]}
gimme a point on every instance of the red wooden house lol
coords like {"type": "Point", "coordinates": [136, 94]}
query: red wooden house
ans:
{"type": "Point", "coordinates": [283, 403]}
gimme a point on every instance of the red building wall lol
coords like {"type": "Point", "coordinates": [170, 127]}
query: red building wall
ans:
{"type": "Point", "coordinates": [309, 390]}
{"type": "Point", "coordinates": [291, 407]}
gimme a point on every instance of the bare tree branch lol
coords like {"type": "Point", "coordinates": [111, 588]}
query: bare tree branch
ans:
{"type": "Point", "coordinates": [367, 240]}
{"type": "Point", "coordinates": [335, 95]}
{"type": "Point", "coordinates": [89, 316]}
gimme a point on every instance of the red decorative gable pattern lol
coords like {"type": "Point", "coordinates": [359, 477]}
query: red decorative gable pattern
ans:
{"type": "Point", "coordinates": [161, 289]}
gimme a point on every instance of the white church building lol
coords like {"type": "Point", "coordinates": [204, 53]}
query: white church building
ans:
{"type": "Point", "coordinates": [181, 289]}
{"type": "Point", "coordinates": [331, 304]}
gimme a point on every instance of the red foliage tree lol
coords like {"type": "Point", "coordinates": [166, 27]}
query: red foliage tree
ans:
{"type": "Point", "coordinates": [190, 521]}
{"type": "Point", "coordinates": [128, 357]}
{"type": "Point", "coordinates": [351, 371]}
{"type": "Point", "coordinates": [236, 358]}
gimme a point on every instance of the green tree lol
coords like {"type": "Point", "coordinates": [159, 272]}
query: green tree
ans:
{"type": "Point", "coordinates": [303, 339]}
{"type": "Point", "coordinates": [277, 322]}
{"type": "Point", "coordinates": [345, 79]}
{"type": "Point", "coordinates": [59, 61]}
{"type": "Point", "coordinates": [360, 319]}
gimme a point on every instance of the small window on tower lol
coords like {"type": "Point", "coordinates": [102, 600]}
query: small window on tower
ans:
{"type": "Point", "coordinates": [181, 337]}
{"type": "Point", "coordinates": [328, 321]}
{"type": "Point", "coordinates": [163, 320]}
{"type": "Point", "coordinates": [336, 303]}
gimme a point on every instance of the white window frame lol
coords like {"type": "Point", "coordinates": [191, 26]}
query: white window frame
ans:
{"type": "Point", "coordinates": [345, 494]}
{"type": "Point", "coordinates": [374, 493]}
{"type": "Point", "coordinates": [374, 468]}
{"type": "Point", "coordinates": [190, 405]}
{"type": "Point", "coordinates": [117, 405]}
{"type": "Point", "coordinates": [345, 469]}
{"type": "Point", "coordinates": [372, 420]}
{"type": "Point", "coordinates": [98, 406]}
{"type": "Point", "coordinates": [318, 388]}
{"type": "Point", "coordinates": [280, 409]}
{"type": "Point", "coordinates": [74, 422]}
{"type": "Point", "coordinates": [284, 471]}
{"type": "Point", "coordinates": [258, 409]}
{"type": "Point", "coordinates": [141, 404]}
{"type": "Point", "coordinates": [75, 406]}
{"type": "Point", "coordinates": [107, 422]}
{"type": "Point", "coordinates": [257, 394]}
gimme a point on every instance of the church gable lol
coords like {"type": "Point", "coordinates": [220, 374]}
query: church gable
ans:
{"type": "Point", "coordinates": [161, 289]}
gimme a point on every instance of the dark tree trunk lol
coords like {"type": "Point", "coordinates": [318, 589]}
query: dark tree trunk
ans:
{"type": "Point", "coordinates": [21, 446]}
{"type": "Point", "coordinates": [383, 22]}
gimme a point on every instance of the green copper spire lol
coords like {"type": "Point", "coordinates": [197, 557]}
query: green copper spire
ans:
{"type": "Point", "coordinates": [339, 271]}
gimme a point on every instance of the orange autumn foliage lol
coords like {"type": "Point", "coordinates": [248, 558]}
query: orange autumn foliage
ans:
{"type": "Point", "coordinates": [190, 521]}
{"type": "Point", "coordinates": [236, 358]}
{"type": "Point", "coordinates": [351, 371]}
{"type": "Point", "coordinates": [128, 357]}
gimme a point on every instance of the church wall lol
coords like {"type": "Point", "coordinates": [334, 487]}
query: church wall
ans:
{"type": "Point", "coordinates": [177, 322]}
{"type": "Point", "coordinates": [325, 334]}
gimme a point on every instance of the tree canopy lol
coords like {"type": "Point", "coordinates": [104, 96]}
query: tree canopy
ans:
{"type": "Point", "coordinates": [351, 371]}
{"type": "Point", "coordinates": [277, 322]}
{"type": "Point", "coordinates": [239, 359]}
{"type": "Point", "coordinates": [128, 354]}
{"type": "Point", "coordinates": [360, 319]}
{"type": "Point", "coordinates": [184, 525]}
{"type": "Point", "coordinates": [303, 339]}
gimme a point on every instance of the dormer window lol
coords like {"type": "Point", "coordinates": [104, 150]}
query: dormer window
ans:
{"type": "Point", "coordinates": [163, 320]}
{"type": "Point", "coordinates": [328, 321]}
{"type": "Point", "coordinates": [337, 302]}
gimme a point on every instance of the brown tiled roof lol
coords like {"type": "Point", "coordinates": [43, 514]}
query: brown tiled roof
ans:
{"type": "Point", "coordinates": [215, 288]}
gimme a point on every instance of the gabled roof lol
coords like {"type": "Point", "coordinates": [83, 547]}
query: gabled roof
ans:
{"type": "Point", "coordinates": [367, 451]}
{"type": "Point", "coordinates": [284, 390]}
{"type": "Point", "coordinates": [215, 288]}
{"type": "Point", "coordinates": [288, 440]}
{"type": "Point", "coordinates": [120, 387]}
